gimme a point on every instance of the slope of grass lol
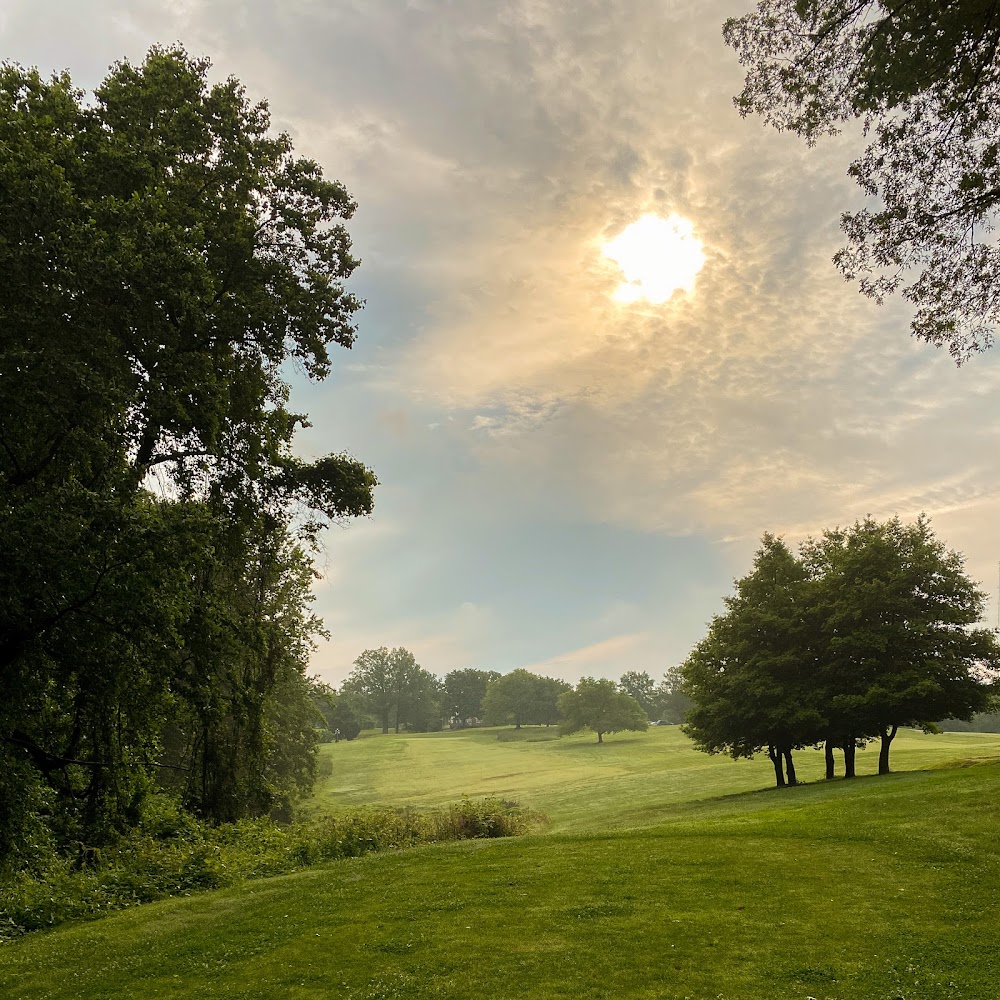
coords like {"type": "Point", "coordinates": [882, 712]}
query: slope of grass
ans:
{"type": "Point", "coordinates": [880, 888]}
{"type": "Point", "coordinates": [195, 857]}
{"type": "Point", "coordinates": [630, 780]}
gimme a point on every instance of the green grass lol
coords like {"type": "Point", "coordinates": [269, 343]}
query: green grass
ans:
{"type": "Point", "coordinates": [646, 885]}
{"type": "Point", "coordinates": [630, 780]}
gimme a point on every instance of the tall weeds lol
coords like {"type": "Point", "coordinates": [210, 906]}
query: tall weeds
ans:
{"type": "Point", "coordinates": [174, 855]}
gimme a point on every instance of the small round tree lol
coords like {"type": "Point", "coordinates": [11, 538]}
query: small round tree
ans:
{"type": "Point", "coordinates": [599, 706]}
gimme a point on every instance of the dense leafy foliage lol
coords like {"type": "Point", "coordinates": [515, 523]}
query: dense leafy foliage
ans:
{"type": "Point", "coordinates": [396, 690]}
{"type": "Point", "coordinates": [523, 698]}
{"type": "Point", "coordinates": [867, 630]}
{"type": "Point", "coordinates": [923, 78]}
{"type": "Point", "coordinates": [660, 701]}
{"type": "Point", "coordinates": [750, 676]}
{"type": "Point", "coordinates": [343, 716]}
{"type": "Point", "coordinates": [599, 706]}
{"type": "Point", "coordinates": [164, 255]}
{"type": "Point", "coordinates": [463, 694]}
{"type": "Point", "coordinates": [640, 686]}
{"type": "Point", "coordinates": [174, 855]}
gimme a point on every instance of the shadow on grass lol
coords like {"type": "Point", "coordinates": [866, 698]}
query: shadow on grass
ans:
{"type": "Point", "coordinates": [612, 743]}
{"type": "Point", "coordinates": [804, 791]}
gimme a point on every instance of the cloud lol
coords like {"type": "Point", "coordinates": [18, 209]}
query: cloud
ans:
{"type": "Point", "coordinates": [493, 148]}
{"type": "Point", "coordinates": [607, 658]}
{"type": "Point", "coordinates": [442, 642]}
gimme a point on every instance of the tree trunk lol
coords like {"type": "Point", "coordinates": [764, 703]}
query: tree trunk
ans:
{"type": "Point", "coordinates": [888, 735]}
{"type": "Point", "coordinates": [849, 751]}
{"type": "Point", "coordinates": [600, 737]}
{"type": "Point", "coordinates": [830, 763]}
{"type": "Point", "coordinates": [779, 774]}
{"type": "Point", "coordinates": [790, 767]}
{"type": "Point", "coordinates": [385, 722]}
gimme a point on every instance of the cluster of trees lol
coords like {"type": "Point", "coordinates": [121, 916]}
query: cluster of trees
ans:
{"type": "Point", "coordinates": [164, 257]}
{"type": "Point", "coordinates": [400, 694]}
{"type": "Point", "coordinates": [663, 701]}
{"type": "Point", "coordinates": [395, 692]}
{"type": "Point", "coordinates": [463, 694]}
{"type": "Point", "coordinates": [523, 698]}
{"type": "Point", "coordinates": [865, 630]}
{"type": "Point", "coordinates": [338, 716]}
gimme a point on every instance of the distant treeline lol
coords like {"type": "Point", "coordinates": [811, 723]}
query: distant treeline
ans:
{"type": "Point", "coordinates": [984, 722]}
{"type": "Point", "coordinates": [389, 690]}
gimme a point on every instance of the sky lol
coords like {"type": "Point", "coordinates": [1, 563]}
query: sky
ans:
{"type": "Point", "coordinates": [570, 482]}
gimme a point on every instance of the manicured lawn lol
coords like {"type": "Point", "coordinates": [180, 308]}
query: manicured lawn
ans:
{"type": "Point", "coordinates": [643, 887]}
{"type": "Point", "coordinates": [633, 779]}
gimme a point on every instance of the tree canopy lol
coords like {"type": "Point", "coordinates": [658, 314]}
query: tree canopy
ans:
{"type": "Point", "coordinates": [868, 629]}
{"type": "Point", "coordinates": [923, 79]}
{"type": "Point", "coordinates": [165, 258]}
{"type": "Point", "coordinates": [396, 689]}
{"type": "Point", "coordinates": [512, 698]}
{"type": "Point", "coordinates": [749, 677]}
{"type": "Point", "coordinates": [640, 686]}
{"type": "Point", "coordinates": [464, 691]}
{"type": "Point", "coordinates": [896, 613]}
{"type": "Point", "coordinates": [523, 698]}
{"type": "Point", "coordinates": [599, 706]}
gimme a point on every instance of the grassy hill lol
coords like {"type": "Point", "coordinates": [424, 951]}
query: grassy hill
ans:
{"type": "Point", "coordinates": [631, 780]}
{"type": "Point", "coordinates": [647, 884]}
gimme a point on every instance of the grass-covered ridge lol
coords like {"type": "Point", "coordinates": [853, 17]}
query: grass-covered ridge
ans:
{"type": "Point", "coordinates": [183, 856]}
{"type": "Point", "coordinates": [630, 780]}
{"type": "Point", "coordinates": [878, 888]}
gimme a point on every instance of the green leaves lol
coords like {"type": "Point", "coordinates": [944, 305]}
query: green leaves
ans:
{"type": "Point", "coordinates": [523, 698]}
{"type": "Point", "coordinates": [189, 253]}
{"type": "Point", "coordinates": [868, 629]}
{"type": "Point", "coordinates": [164, 256]}
{"type": "Point", "coordinates": [396, 689]}
{"type": "Point", "coordinates": [599, 706]}
{"type": "Point", "coordinates": [924, 80]}
{"type": "Point", "coordinates": [464, 691]}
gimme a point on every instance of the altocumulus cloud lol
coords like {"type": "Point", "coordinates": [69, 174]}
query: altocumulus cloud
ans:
{"type": "Point", "coordinates": [493, 148]}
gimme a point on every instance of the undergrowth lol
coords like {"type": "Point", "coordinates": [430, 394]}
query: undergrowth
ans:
{"type": "Point", "coordinates": [175, 855]}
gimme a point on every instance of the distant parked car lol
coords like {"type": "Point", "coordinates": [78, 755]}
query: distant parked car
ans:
{"type": "Point", "coordinates": [663, 722]}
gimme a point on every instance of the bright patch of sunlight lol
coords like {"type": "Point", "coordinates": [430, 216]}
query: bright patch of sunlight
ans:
{"type": "Point", "coordinates": [657, 257]}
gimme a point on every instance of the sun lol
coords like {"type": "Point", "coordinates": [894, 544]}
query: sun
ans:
{"type": "Point", "coordinates": [657, 257]}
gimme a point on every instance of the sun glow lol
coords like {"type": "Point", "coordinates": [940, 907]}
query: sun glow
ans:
{"type": "Point", "coordinates": [657, 258]}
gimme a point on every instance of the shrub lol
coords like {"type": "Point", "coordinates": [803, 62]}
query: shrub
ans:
{"type": "Point", "coordinates": [173, 854]}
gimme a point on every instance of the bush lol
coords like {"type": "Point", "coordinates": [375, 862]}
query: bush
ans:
{"type": "Point", "coordinates": [175, 855]}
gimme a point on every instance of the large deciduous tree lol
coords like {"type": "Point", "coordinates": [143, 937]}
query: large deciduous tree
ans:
{"type": "Point", "coordinates": [599, 706]}
{"type": "Point", "coordinates": [923, 78]}
{"type": "Point", "coordinates": [396, 689]}
{"type": "Point", "coordinates": [750, 677]}
{"type": "Point", "coordinates": [165, 258]}
{"type": "Point", "coordinates": [641, 686]}
{"type": "Point", "coordinates": [420, 708]}
{"type": "Point", "coordinates": [547, 694]}
{"type": "Point", "coordinates": [464, 691]}
{"type": "Point", "coordinates": [374, 678]}
{"type": "Point", "coordinates": [512, 698]}
{"type": "Point", "coordinates": [670, 703]}
{"type": "Point", "coordinates": [868, 629]}
{"type": "Point", "coordinates": [899, 644]}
